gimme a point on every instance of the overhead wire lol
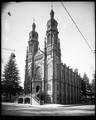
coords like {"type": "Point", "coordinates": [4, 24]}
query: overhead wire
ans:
{"type": "Point", "coordinates": [77, 27]}
{"type": "Point", "coordinates": [8, 49]}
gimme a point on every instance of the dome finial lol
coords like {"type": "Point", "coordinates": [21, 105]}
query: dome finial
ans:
{"type": "Point", "coordinates": [33, 20]}
{"type": "Point", "coordinates": [33, 25]}
{"type": "Point", "coordinates": [51, 5]}
{"type": "Point", "coordinates": [52, 12]}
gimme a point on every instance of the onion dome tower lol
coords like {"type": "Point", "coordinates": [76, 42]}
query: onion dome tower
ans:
{"type": "Point", "coordinates": [33, 40]}
{"type": "Point", "coordinates": [53, 60]}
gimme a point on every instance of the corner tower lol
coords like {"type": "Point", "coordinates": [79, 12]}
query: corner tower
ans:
{"type": "Point", "coordinates": [33, 40]}
{"type": "Point", "coordinates": [53, 61]}
{"type": "Point", "coordinates": [31, 51]}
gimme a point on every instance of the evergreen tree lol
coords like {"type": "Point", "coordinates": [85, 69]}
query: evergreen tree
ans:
{"type": "Point", "coordinates": [11, 79]}
{"type": "Point", "coordinates": [86, 79]}
{"type": "Point", "coordinates": [93, 86]}
{"type": "Point", "coordinates": [87, 88]}
{"type": "Point", "coordinates": [84, 87]}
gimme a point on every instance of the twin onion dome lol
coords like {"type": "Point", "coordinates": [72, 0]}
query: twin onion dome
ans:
{"type": "Point", "coordinates": [51, 25]}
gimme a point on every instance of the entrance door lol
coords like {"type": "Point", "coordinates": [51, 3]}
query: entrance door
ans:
{"type": "Point", "coordinates": [38, 92]}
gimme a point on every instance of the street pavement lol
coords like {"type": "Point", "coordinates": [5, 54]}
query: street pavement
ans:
{"type": "Point", "coordinates": [14, 109]}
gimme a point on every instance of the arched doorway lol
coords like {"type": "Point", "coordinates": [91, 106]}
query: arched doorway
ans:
{"type": "Point", "coordinates": [20, 100]}
{"type": "Point", "coordinates": [38, 91]}
{"type": "Point", "coordinates": [37, 88]}
{"type": "Point", "coordinates": [27, 100]}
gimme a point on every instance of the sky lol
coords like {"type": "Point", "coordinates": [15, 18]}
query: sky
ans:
{"type": "Point", "coordinates": [75, 53]}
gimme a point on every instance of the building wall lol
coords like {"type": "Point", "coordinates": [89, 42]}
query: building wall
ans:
{"type": "Point", "coordinates": [67, 89]}
{"type": "Point", "coordinates": [63, 85]}
{"type": "Point", "coordinates": [64, 88]}
{"type": "Point", "coordinates": [70, 86]}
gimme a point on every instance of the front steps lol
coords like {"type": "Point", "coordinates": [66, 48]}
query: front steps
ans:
{"type": "Point", "coordinates": [28, 99]}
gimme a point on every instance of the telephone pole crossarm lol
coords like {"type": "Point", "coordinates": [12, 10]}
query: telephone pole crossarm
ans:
{"type": "Point", "coordinates": [9, 49]}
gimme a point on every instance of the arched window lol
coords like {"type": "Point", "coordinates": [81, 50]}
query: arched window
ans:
{"type": "Point", "coordinates": [55, 38]}
{"type": "Point", "coordinates": [48, 39]}
{"type": "Point", "coordinates": [57, 87]}
{"type": "Point", "coordinates": [37, 88]}
{"type": "Point", "coordinates": [38, 73]}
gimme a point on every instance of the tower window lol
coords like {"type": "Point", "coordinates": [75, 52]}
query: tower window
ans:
{"type": "Point", "coordinates": [56, 39]}
{"type": "Point", "coordinates": [30, 37]}
{"type": "Point", "coordinates": [48, 39]}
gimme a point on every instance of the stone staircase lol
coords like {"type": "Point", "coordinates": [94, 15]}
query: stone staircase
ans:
{"type": "Point", "coordinates": [35, 100]}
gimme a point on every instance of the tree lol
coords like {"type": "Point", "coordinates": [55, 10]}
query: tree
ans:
{"type": "Point", "coordinates": [88, 88]}
{"type": "Point", "coordinates": [84, 86]}
{"type": "Point", "coordinates": [93, 85]}
{"type": "Point", "coordinates": [86, 79]}
{"type": "Point", "coordinates": [76, 70]}
{"type": "Point", "coordinates": [11, 79]}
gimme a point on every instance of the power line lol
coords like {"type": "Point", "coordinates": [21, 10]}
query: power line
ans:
{"type": "Point", "coordinates": [8, 49]}
{"type": "Point", "coordinates": [78, 28]}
